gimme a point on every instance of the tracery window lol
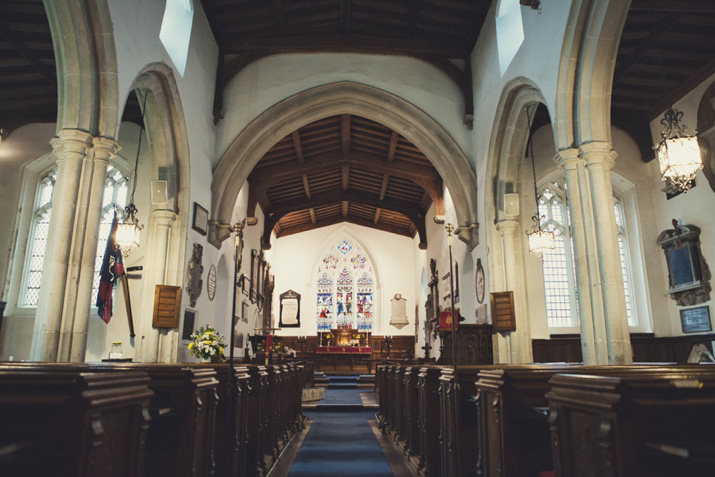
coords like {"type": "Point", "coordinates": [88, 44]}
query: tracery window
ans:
{"type": "Point", "coordinates": [116, 188]}
{"type": "Point", "coordinates": [559, 266]}
{"type": "Point", "coordinates": [345, 289]}
{"type": "Point", "coordinates": [37, 245]}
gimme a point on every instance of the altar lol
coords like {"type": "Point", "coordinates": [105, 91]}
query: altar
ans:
{"type": "Point", "coordinates": [344, 348]}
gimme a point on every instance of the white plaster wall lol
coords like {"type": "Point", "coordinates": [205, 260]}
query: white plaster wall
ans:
{"type": "Point", "coordinates": [536, 61]}
{"type": "Point", "coordinates": [22, 146]}
{"type": "Point", "coordinates": [270, 80]}
{"type": "Point", "coordinates": [100, 335]}
{"type": "Point", "coordinates": [136, 32]}
{"type": "Point", "coordinates": [295, 260]}
{"type": "Point", "coordinates": [696, 207]}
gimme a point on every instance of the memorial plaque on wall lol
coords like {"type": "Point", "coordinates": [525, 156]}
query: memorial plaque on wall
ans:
{"type": "Point", "coordinates": [503, 318]}
{"type": "Point", "coordinates": [290, 309]}
{"type": "Point", "coordinates": [695, 320]}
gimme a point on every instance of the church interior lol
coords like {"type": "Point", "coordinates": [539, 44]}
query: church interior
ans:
{"type": "Point", "coordinates": [489, 222]}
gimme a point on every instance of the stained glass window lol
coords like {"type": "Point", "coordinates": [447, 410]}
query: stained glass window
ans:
{"type": "Point", "coordinates": [345, 247]}
{"type": "Point", "coordinates": [364, 303]}
{"type": "Point", "coordinates": [358, 260]}
{"type": "Point", "coordinates": [38, 239]}
{"type": "Point", "coordinates": [331, 262]}
{"type": "Point", "coordinates": [325, 303]}
{"type": "Point", "coordinates": [345, 289]}
{"type": "Point", "coordinates": [344, 298]}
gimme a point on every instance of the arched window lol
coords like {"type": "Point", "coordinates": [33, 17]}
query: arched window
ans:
{"type": "Point", "coordinates": [116, 188]}
{"type": "Point", "coordinates": [625, 260]}
{"type": "Point", "coordinates": [345, 289]}
{"type": "Point", "coordinates": [559, 267]}
{"type": "Point", "coordinates": [38, 239]}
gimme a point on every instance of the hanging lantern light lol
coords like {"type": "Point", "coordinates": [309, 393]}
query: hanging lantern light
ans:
{"type": "Point", "coordinates": [540, 240]}
{"type": "Point", "coordinates": [129, 231]}
{"type": "Point", "coordinates": [678, 152]}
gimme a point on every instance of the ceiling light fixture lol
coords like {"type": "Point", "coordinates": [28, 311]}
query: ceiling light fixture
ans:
{"type": "Point", "coordinates": [129, 231]}
{"type": "Point", "coordinates": [540, 241]}
{"type": "Point", "coordinates": [678, 152]}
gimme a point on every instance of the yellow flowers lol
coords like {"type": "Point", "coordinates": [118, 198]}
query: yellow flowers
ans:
{"type": "Point", "coordinates": [207, 344]}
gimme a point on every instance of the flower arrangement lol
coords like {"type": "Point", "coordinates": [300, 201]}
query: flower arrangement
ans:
{"type": "Point", "coordinates": [207, 344]}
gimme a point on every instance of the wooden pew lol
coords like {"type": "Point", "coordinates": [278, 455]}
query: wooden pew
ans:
{"type": "Point", "coordinates": [230, 452]}
{"type": "Point", "coordinates": [411, 414]}
{"type": "Point", "coordinates": [513, 430]}
{"type": "Point", "coordinates": [458, 426]}
{"type": "Point", "coordinates": [428, 403]}
{"type": "Point", "coordinates": [657, 423]}
{"type": "Point", "coordinates": [71, 421]}
{"type": "Point", "coordinates": [180, 439]}
{"type": "Point", "coordinates": [256, 420]}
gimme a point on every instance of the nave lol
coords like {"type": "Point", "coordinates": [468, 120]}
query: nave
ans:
{"type": "Point", "coordinates": [540, 420]}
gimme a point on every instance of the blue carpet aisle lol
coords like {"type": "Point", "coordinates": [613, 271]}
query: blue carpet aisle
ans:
{"type": "Point", "coordinates": [340, 440]}
{"type": "Point", "coordinates": [340, 443]}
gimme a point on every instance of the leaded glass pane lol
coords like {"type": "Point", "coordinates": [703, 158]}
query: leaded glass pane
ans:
{"type": "Point", "coordinates": [37, 258]}
{"type": "Point", "coordinates": [325, 303]}
{"type": "Point", "coordinates": [364, 303]}
{"type": "Point", "coordinates": [344, 298]}
{"type": "Point", "coordinates": [556, 285]}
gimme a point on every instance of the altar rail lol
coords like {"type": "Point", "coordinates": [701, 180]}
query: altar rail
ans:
{"type": "Point", "coordinates": [145, 419]}
{"type": "Point", "coordinates": [501, 425]}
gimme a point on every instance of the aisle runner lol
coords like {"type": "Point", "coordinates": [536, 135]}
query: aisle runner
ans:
{"type": "Point", "coordinates": [340, 443]}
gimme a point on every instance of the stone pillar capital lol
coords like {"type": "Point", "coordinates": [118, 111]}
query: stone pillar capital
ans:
{"type": "Point", "coordinates": [567, 158]}
{"type": "Point", "coordinates": [105, 149]}
{"type": "Point", "coordinates": [598, 153]}
{"type": "Point", "coordinates": [71, 142]}
{"type": "Point", "coordinates": [507, 227]}
{"type": "Point", "coordinates": [163, 217]}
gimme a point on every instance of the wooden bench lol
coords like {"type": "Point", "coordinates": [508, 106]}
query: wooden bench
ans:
{"type": "Point", "coordinates": [657, 423]}
{"type": "Point", "coordinates": [68, 420]}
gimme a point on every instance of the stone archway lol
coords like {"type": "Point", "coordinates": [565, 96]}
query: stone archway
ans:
{"type": "Point", "coordinates": [166, 228]}
{"type": "Point", "coordinates": [86, 66]}
{"type": "Point", "coordinates": [343, 98]}
{"type": "Point", "coordinates": [504, 238]}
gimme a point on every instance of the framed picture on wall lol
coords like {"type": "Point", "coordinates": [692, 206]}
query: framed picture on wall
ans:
{"type": "Point", "coordinates": [189, 323]}
{"type": "Point", "coordinates": [201, 219]}
{"type": "Point", "coordinates": [244, 311]}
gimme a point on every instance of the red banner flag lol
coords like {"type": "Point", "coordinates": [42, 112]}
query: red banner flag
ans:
{"type": "Point", "coordinates": [112, 269]}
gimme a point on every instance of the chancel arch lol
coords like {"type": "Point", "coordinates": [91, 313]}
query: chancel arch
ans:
{"type": "Point", "coordinates": [333, 99]}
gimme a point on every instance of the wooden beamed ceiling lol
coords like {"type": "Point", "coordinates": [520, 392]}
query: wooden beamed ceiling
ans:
{"type": "Point", "coordinates": [344, 169]}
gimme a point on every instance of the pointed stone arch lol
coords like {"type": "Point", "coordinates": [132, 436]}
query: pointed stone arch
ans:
{"type": "Point", "coordinates": [343, 98]}
{"type": "Point", "coordinates": [83, 39]}
{"type": "Point", "coordinates": [588, 59]}
{"type": "Point", "coordinates": [167, 224]}
{"type": "Point", "coordinates": [507, 146]}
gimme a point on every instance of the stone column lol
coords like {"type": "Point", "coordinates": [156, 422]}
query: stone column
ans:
{"type": "Point", "coordinates": [593, 335]}
{"type": "Point", "coordinates": [70, 147]}
{"type": "Point", "coordinates": [515, 346]}
{"type": "Point", "coordinates": [599, 159]}
{"type": "Point", "coordinates": [104, 150]}
{"type": "Point", "coordinates": [155, 274]}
